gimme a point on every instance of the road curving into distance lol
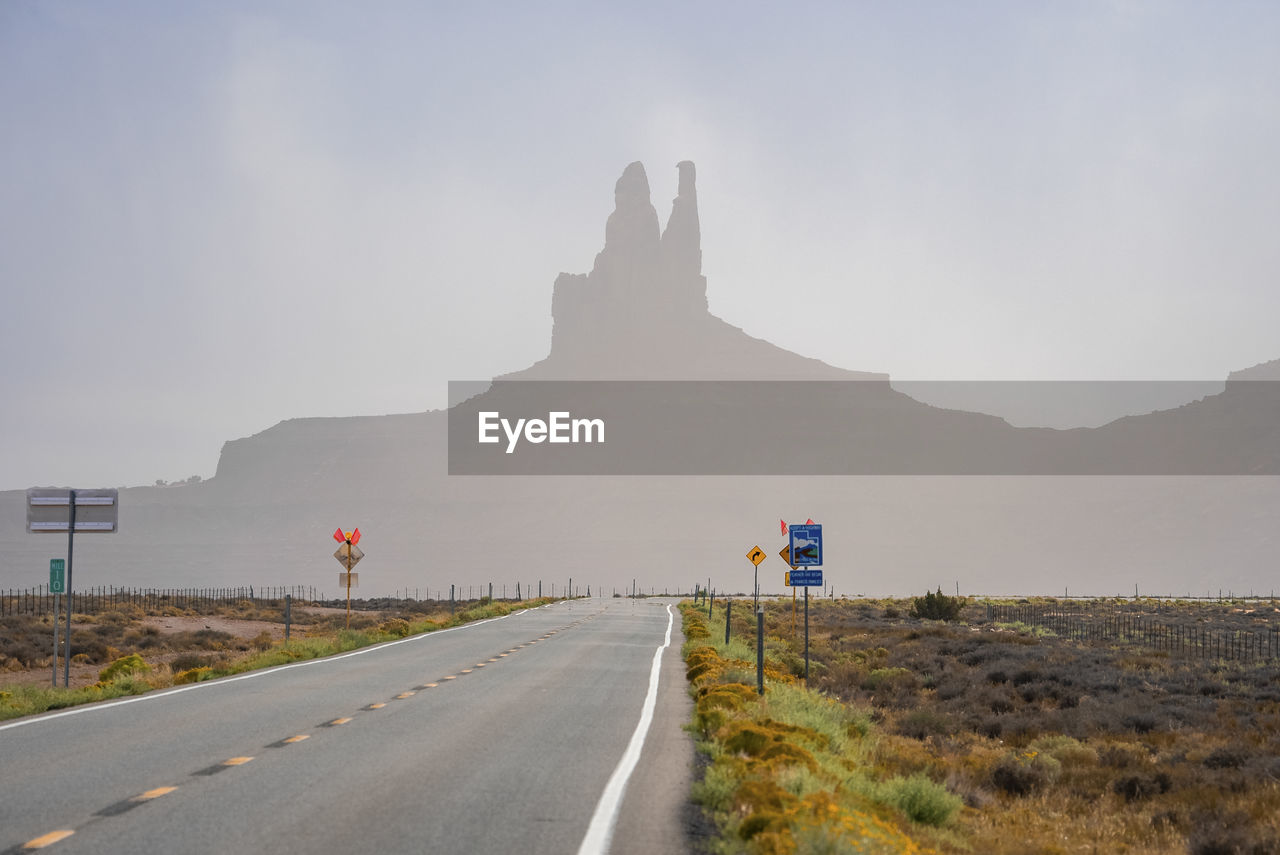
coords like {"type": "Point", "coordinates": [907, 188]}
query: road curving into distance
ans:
{"type": "Point", "coordinates": [553, 730]}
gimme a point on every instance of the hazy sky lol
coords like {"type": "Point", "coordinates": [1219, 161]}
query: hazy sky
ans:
{"type": "Point", "coordinates": [215, 216]}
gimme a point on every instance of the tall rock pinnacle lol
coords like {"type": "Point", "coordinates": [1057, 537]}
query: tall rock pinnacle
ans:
{"type": "Point", "coordinates": [682, 241]}
{"type": "Point", "coordinates": [641, 313]}
{"type": "Point", "coordinates": [629, 259]}
{"type": "Point", "coordinates": [644, 284]}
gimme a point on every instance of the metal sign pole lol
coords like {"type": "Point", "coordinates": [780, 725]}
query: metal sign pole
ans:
{"type": "Point", "coordinates": [806, 635]}
{"type": "Point", "coordinates": [71, 534]}
{"type": "Point", "coordinates": [760, 651]}
{"type": "Point", "coordinates": [57, 616]}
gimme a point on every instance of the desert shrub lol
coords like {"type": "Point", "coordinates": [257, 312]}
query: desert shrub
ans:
{"type": "Point", "coordinates": [396, 626]}
{"type": "Point", "coordinates": [120, 617]}
{"type": "Point", "coordinates": [1066, 750]}
{"type": "Point", "coordinates": [922, 800]}
{"type": "Point", "coordinates": [192, 675]}
{"type": "Point", "coordinates": [1139, 722]}
{"type": "Point", "coordinates": [187, 661]}
{"type": "Point", "coordinates": [262, 641]}
{"type": "Point", "coordinates": [1024, 774]}
{"type": "Point", "coordinates": [131, 664]}
{"type": "Point", "coordinates": [202, 639]}
{"type": "Point", "coordinates": [923, 723]}
{"type": "Point", "coordinates": [999, 703]}
{"type": "Point", "coordinates": [1120, 757]}
{"type": "Point", "coordinates": [937, 606]}
{"type": "Point", "coordinates": [1026, 675]}
{"type": "Point", "coordinates": [883, 678]}
{"type": "Point", "coordinates": [1137, 787]}
{"type": "Point", "coordinates": [1227, 757]}
{"type": "Point", "coordinates": [891, 612]}
{"type": "Point", "coordinates": [1229, 834]}
{"type": "Point", "coordinates": [85, 643]}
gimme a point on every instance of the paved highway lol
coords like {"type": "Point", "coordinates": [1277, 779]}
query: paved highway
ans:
{"type": "Point", "coordinates": [524, 734]}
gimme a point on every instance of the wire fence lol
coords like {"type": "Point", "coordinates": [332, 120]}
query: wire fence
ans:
{"type": "Point", "coordinates": [1187, 635]}
{"type": "Point", "coordinates": [96, 600]}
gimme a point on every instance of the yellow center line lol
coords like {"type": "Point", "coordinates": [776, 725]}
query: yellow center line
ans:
{"type": "Point", "coordinates": [494, 659]}
{"type": "Point", "coordinates": [500, 655]}
{"type": "Point", "coordinates": [430, 685]}
{"type": "Point", "coordinates": [377, 706]}
{"type": "Point", "coordinates": [404, 695]}
{"type": "Point", "coordinates": [236, 761]}
{"type": "Point", "coordinates": [154, 794]}
{"type": "Point", "coordinates": [47, 839]}
{"type": "Point", "coordinates": [481, 664]}
{"type": "Point", "coordinates": [450, 677]}
{"type": "Point", "coordinates": [298, 738]}
{"type": "Point", "coordinates": [466, 670]}
{"type": "Point", "coordinates": [340, 721]}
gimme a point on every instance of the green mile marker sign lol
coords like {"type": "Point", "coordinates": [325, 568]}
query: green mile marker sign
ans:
{"type": "Point", "coordinates": [57, 576]}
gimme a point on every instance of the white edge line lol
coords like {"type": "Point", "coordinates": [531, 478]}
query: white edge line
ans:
{"type": "Point", "coordinates": [223, 681]}
{"type": "Point", "coordinates": [600, 830]}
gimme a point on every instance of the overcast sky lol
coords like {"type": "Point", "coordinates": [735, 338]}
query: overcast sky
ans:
{"type": "Point", "coordinates": [216, 216]}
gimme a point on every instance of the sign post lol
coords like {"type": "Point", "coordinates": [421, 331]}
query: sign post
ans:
{"type": "Point", "coordinates": [56, 511]}
{"type": "Point", "coordinates": [806, 551]}
{"type": "Point", "coordinates": [755, 555]}
{"type": "Point", "coordinates": [348, 555]}
{"type": "Point", "coordinates": [57, 585]}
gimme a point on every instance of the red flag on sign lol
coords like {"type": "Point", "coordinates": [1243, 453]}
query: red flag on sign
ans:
{"type": "Point", "coordinates": [783, 526]}
{"type": "Point", "coordinates": [339, 536]}
{"type": "Point", "coordinates": [355, 537]}
{"type": "Point", "coordinates": [810, 522]}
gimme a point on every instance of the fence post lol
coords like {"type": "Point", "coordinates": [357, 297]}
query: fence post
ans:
{"type": "Point", "coordinates": [288, 614]}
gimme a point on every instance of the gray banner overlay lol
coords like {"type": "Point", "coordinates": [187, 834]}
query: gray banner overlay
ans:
{"type": "Point", "coordinates": [858, 428]}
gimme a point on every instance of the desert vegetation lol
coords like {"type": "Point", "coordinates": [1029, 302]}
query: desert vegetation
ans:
{"type": "Point", "coordinates": [993, 736]}
{"type": "Point", "coordinates": [127, 650]}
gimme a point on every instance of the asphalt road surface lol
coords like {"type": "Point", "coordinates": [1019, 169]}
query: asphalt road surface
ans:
{"type": "Point", "coordinates": [524, 734]}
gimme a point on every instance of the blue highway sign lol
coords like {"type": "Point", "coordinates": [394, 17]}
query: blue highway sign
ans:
{"type": "Point", "coordinates": [805, 578]}
{"type": "Point", "coordinates": [806, 545]}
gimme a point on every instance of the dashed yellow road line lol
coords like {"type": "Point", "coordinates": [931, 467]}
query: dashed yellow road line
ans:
{"type": "Point", "coordinates": [481, 664]}
{"type": "Point", "coordinates": [343, 720]}
{"type": "Point", "coordinates": [223, 766]}
{"type": "Point", "coordinates": [403, 695]}
{"type": "Point", "coordinates": [376, 706]}
{"type": "Point", "coordinates": [298, 738]}
{"type": "Point", "coordinates": [47, 839]}
{"type": "Point", "coordinates": [153, 794]}
{"type": "Point", "coordinates": [466, 670]}
{"type": "Point", "coordinates": [450, 677]}
{"type": "Point", "coordinates": [494, 659]}
{"type": "Point", "coordinates": [429, 685]}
